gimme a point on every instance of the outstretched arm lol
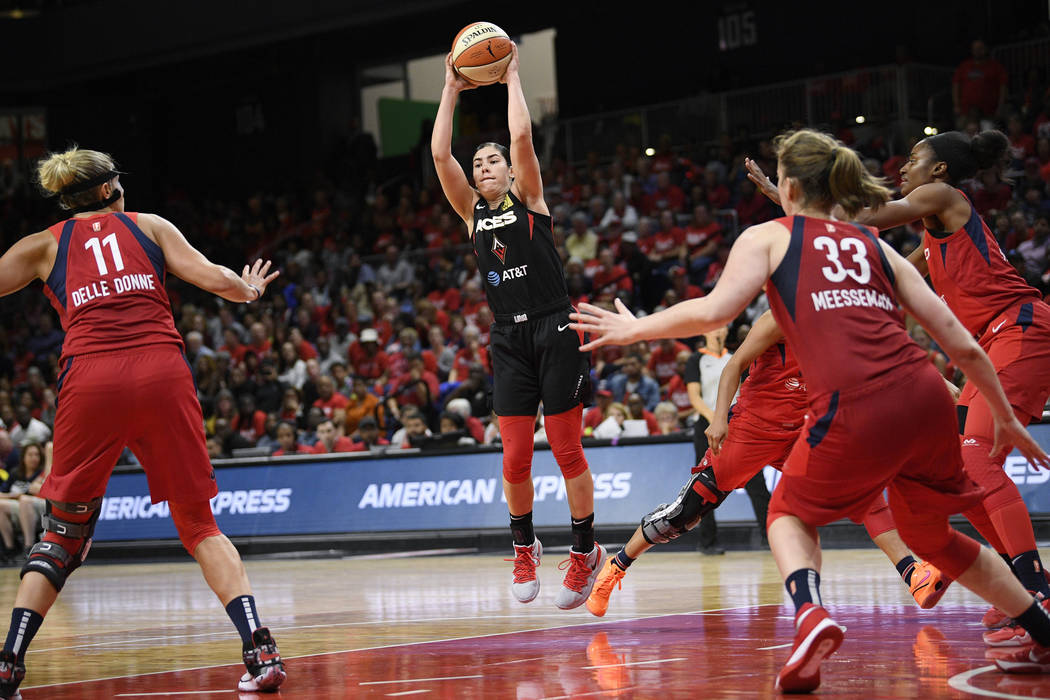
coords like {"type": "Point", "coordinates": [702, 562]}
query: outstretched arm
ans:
{"type": "Point", "coordinates": [453, 180]}
{"type": "Point", "coordinates": [950, 334]}
{"type": "Point", "coordinates": [762, 335]}
{"type": "Point", "coordinates": [28, 259]}
{"type": "Point", "coordinates": [188, 263]}
{"type": "Point", "coordinates": [526, 165]}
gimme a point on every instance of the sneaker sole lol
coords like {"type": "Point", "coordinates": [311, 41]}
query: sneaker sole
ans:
{"type": "Point", "coordinates": [933, 598]}
{"type": "Point", "coordinates": [525, 600]}
{"type": "Point", "coordinates": [585, 593]}
{"type": "Point", "coordinates": [804, 677]}
{"type": "Point", "coordinates": [1011, 642]}
{"type": "Point", "coordinates": [266, 683]}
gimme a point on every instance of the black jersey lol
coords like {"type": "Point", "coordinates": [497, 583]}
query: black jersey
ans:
{"type": "Point", "coordinates": [518, 260]}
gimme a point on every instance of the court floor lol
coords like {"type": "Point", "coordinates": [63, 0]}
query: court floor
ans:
{"type": "Point", "coordinates": [683, 626]}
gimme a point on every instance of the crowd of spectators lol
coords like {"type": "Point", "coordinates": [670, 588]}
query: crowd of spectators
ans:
{"type": "Point", "coordinates": [375, 335]}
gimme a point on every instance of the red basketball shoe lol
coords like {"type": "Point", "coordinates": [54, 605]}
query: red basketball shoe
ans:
{"type": "Point", "coordinates": [817, 637]}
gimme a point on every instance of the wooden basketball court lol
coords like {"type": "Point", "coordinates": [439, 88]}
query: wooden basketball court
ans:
{"type": "Point", "coordinates": [684, 626]}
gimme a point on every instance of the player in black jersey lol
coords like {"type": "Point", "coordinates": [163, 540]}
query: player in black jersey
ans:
{"type": "Point", "coordinates": [535, 356]}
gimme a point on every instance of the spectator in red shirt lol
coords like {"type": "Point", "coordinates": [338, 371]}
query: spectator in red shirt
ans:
{"type": "Point", "coordinates": [367, 359]}
{"type": "Point", "coordinates": [663, 361]}
{"type": "Point", "coordinates": [702, 236]}
{"type": "Point", "coordinates": [611, 279]}
{"type": "Point", "coordinates": [991, 194]}
{"type": "Point", "coordinates": [717, 193]}
{"type": "Point", "coordinates": [286, 440]}
{"type": "Point", "coordinates": [665, 196]}
{"type": "Point", "coordinates": [249, 422]}
{"type": "Point", "coordinates": [979, 84]}
{"type": "Point", "coordinates": [330, 401]}
{"type": "Point", "coordinates": [416, 387]}
{"type": "Point", "coordinates": [472, 351]}
{"type": "Point", "coordinates": [368, 436]}
{"type": "Point", "coordinates": [1022, 143]}
{"type": "Point", "coordinates": [260, 343]}
{"type": "Point", "coordinates": [753, 207]}
{"type": "Point", "coordinates": [472, 301]}
{"type": "Point", "coordinates": [233, 345]}
{"type": "Point", "coordinates": [677, 392]}
{"type": "Point", "coordinates": [683, 288]}
{"type": "Point", "coordinates": [461, 407]}
{"type": "Point", "coordinates": [444, 296]}
{"type": "Point", "coordinates": [636, 411]}
{"type": "Point", "coordinates": [594, 415]}
{"type": "Point", "coordinates": [329, 440]}
{"type": "Point", "coordinates": [304, 348]}
{"type": "Point", "coordinates": [666, 243]}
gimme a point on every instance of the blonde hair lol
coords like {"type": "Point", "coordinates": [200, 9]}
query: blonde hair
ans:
{"type": "Point", "coordinates": [829, 172]}
{"type": "Point", "coordinates": [57, 171]}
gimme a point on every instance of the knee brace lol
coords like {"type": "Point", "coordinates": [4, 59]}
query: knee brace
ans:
{"type": "Point", "coordinates": [194, 522]}
{"type": "Point", "coordinates": [516, 434]}
{"type": "Point", "coordinates": [66, 542]}
{"type": "Point", "coordinates": [696, 499]}
{"type": "Point", "coordinates": [563, 434]}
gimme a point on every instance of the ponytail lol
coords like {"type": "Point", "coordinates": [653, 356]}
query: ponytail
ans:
{"type": "Point", "coordinates": [829, 172]}
{"type": "Point", "coordinates": [964, 155]}
{"type": "Point", "coordinates": [76, 175]}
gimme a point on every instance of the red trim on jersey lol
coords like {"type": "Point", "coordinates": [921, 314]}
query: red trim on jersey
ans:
{"type": "Point", "coordinates": [529, 213]}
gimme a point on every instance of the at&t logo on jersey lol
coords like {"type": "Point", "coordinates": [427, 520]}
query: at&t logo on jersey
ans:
{"type": "Point", "coordinates": [794, 384]}
{"type": "Point", "coordinates": [495, 278]}
{"type": "Point", "coordinates": [494, 222]}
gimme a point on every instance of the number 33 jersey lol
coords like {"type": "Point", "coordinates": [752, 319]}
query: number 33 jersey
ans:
{"type": "Point", "coordinates": [107, 285]}
{"type": "Point", "coordinates": [833, 296]}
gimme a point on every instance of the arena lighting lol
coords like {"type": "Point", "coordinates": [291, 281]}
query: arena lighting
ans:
{"type": "Point", "coordinates": [860, 119]}
{"type": "Point", "coordinates": [930, 130]}
{"type": "Point", "coordinates": [650, 151]}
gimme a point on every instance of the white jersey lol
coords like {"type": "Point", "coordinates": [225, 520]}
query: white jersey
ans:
{"type": "Point", "coordinates": [711, 366]}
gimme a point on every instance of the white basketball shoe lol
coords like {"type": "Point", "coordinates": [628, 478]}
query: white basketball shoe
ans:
{"type": "Point", "coordinates": [579, 579]}
{"type": "Point", "coordinates": [526, 585]}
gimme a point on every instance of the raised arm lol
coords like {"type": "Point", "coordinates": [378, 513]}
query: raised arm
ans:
{"type": "Point", "coordinates": [763, 334]}
{"type": "Point", "coordinates": [453, 180]}
{"type": "Point", "coordinates": [527, 180]}
{"type": "Point", "coordinates": [29, 259]}
{"type": "Point", "coordinates": [747, 269]}
{"type": "Point", "coordinates": [189, 264]}
{"type": "Point", "coordinates": [945, 328]}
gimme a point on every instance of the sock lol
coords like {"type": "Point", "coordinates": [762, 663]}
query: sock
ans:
{"type": "Point", "coordinates": [1035, 620]}
{"type": "Point", "coordinates": [622, 560]}
{"type": "Point", "coordinates": [906, 567]}
{"type": "Point", "coordinates": [521, 528]}
{"type": "Point", "coordinates": [583, 534]}
{"type": "Point", "coordinates": [24, 626]}
{"type": "Point", "coordinates": [804, 587]}
{"type": "Point", "coordinates": [1029, 570]}
{"type": "Point", "coordinates": [242, 611]}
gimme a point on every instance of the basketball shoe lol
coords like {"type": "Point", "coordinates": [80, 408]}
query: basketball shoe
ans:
{"type": "Point", "coordinates": [994, 618]}
{"type": "Point", "coordinates": [609, 577]}
{"type": "Point", "coordinates": [1012, 634]}
{"type": "Point", "coordinates": [1030, 659]}
{"type": "Point", "coordinates": [928, 584]}
{"type": "Point", "coordinates": [11, 675]}
{"type": "Point", "coordinates": [526, 586]}
{"type": "Point", "coordinates": [817, 637]}
{"type": "Point", "coordinates": [263, 661]}
{"type": "Point", "coordinates": [579, 579]}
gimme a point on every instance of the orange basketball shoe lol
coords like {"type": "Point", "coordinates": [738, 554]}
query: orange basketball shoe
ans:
{"type": "Point", "coordinates": [817, 637]}
{"type": "Point", "coordinates": [928, 584]}
{"type": "Point", "coordinates": [609, 577]}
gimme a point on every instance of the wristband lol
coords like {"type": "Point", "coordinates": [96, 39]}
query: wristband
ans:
{"type": "Point", "coordinates": [258, 293]}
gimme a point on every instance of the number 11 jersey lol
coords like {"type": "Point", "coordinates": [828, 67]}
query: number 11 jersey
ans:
{"type": "Point", "coordinates": [833, 296]}
{"type": "Point", "coordinates": [107, 285]}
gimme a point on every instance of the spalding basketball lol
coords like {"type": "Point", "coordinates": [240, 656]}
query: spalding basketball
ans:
{"type": "Point", "coordinates": [481, 53]}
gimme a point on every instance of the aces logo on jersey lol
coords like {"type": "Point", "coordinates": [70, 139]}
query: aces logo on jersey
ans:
{"type": "Point", "coordinates": [499, 249]}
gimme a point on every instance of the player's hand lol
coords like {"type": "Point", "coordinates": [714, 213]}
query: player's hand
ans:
{"type": "Point", "coordinates": [716, 434]}
{"type": "Point", "coordinates": [453, 80]}
{"type": "Point", "coordinates": [953, 390]}
{"type": "Point", "coordinates": [605, 327]}
{"type": "Point", "coordinates": [257, 276]}
{"type": "Point", "coordinates": [1011, 432]}
{"type": "Point", "coordinates": [755, 175]}
{"type": "Point", "coordinates": [512, 67]}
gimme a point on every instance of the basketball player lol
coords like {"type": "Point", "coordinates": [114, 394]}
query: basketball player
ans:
{"type": "Point", "coordinates": [125, 382]}
{"type": "Point", "coordinates": [766, 420]}
{"type": "Point", "coordinates": [535, 355]}
{"type": "Point", "coordinates": [878, 413]}
{"type": "Point", "coordinates": [993, 302]}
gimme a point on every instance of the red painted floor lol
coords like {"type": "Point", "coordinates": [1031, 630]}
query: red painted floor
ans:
{"type": "Point", "coordinates": [889, 652]}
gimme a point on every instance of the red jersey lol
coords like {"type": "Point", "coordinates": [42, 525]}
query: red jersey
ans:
{"type": "Point", "coordinates": [833, 296]}
{"type": "Point", "coordinates": [774, 390]}
{"type": "Point", "coordinates": [107, 285]}
{"type": "Point", "coordinates": [970, 272]}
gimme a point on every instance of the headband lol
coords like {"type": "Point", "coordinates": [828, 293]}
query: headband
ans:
{"type": "Point", "coordinates": [85, 185]}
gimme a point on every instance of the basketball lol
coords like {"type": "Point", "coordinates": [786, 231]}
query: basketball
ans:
{"type": "Point", "coordinates": [481, 52]}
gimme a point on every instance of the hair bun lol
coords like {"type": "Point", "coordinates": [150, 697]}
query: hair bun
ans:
{"type": "Point", "coordinates": [989, 148]}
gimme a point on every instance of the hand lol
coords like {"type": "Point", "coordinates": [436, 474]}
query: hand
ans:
{"type": "Point", "coordinates": [512, 67]}
{"type": "Point", "coordinates": [755, 175]}
{"type": "Point", "coordinates": [256, 275]}
{"type": "Point", "coordinates": [453, 80]}
{"type": "Point", "coordinates": [953, 390]}
{"type": "Point", "coordinates": [716, 434]}
{"type": "Point", "coordinates": [1011, 432]}
{"type": "Point", "coordinates": [605, 327]}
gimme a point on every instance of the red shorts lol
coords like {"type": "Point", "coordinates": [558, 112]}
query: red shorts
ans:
{"type": "Point", "coordinates": [142, 398]}
{"type": "Point", "coordinates": [900, 432]}
{"type": "Point", "coordinates": [748, 448]}
{"type": "Point", "coordinates": [1018, 343]}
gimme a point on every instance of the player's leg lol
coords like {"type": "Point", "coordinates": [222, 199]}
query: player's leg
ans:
{"type": "Point", "coordinates": [169, 442]}
{"type": "Point", "coordinates": [515, 398]}
{"type": "Point", "coordinates": [29, 512]}
{"type": "Point", "coordinates": [707, 528]}
{"type": "Point", "coordinates": [926, 583]}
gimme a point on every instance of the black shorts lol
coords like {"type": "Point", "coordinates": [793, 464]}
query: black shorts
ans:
{"type": "Point", "coordinates": [538, 360]}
